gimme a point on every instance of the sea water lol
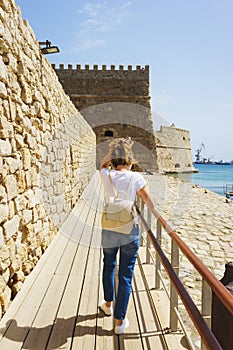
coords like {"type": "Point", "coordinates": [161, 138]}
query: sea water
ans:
{"type": "Point", "coordinates": [211, 176]}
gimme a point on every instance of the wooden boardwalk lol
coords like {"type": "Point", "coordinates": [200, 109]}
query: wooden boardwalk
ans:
{"type": "Point", "coordinates": [57, 307]}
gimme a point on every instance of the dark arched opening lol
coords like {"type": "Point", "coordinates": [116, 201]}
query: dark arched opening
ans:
{"type": "Point", "coordinates": [108, 133]}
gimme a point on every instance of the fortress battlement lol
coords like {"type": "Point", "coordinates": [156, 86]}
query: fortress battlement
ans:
{"type": "Point", "coordinates": [104, 67]}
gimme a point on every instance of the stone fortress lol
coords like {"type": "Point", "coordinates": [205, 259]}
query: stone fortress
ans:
{"type": "Point", "coordinates": [47, 147]}
{"type": "Point", "coordinates": [124, 97]}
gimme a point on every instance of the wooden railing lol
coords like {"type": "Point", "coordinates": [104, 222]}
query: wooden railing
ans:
{"type": "Point", "coordinates": [201, 320]}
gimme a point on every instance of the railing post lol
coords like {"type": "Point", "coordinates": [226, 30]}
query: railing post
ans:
{"type": "Point", "coordinates": [173, 292]}
{"type": "Point", "coordinates": [141, 224]}
{"type": "Point", "coordinates": [206, 305]}
{"type": "Point", "coordinates": [147, 237]}
{"type": "Point", "coordinates": [157, 260]}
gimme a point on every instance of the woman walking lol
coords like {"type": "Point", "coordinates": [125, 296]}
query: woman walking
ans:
{"type": "Point", "coordinates": [117, 177]}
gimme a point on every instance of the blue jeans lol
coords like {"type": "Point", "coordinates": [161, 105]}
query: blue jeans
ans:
{"type": "Point", "coordinates": [128, 255]}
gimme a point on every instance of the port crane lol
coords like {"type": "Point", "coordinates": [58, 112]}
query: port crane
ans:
{"type": "Point", "coordinates": [198, 152]}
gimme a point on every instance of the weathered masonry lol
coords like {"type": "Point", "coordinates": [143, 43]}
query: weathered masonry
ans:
{"type": "Point", "coordinates": [116, 103]}
{"type": "Point", "coordinates": [47, 152]}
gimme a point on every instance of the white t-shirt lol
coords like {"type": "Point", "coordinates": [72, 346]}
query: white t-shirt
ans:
{"type": "Point", "coordinates": [124, 181]}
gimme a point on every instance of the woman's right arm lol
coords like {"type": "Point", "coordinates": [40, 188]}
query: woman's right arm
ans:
{"type": "Point", "coordinates": [146, 197]}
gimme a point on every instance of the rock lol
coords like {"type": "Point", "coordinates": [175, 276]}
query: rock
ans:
{"type": "Point", "coordinates": [11, 227]}
{"type": "Point", "coordinates": [11, 186]}
{"type": "Point", "coordinates": [5, 298]}
{"type": "Point", "coordinates": [16, 288]}
{"type": "Point", "coordinates": [4, 210]}
{"type": "Point", "coordinates": [5, 148]}
{"type": "Point", "coordinates": [3, 91]}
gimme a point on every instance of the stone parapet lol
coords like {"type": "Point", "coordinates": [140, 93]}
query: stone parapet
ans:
{"type": "Point", "coordinates": [112, 67]}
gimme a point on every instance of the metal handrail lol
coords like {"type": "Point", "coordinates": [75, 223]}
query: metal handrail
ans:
{"type": "Point", "coordinates": [222, 293]}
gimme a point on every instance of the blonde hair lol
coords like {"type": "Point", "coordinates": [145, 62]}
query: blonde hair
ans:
{"type": "Point", "coordinates": [120, 152]}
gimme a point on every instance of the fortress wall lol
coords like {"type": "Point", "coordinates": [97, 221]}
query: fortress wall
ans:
{"type": "Point", "coordinates": [47, 152]}
{"type": "Point", "coordinates": [174, 150]}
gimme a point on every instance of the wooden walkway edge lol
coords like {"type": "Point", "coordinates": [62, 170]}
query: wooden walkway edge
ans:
{"type": "Point", "coordinates": [57, 306]}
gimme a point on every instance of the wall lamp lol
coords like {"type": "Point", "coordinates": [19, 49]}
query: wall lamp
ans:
{"type": "Point", "coordinates": [48, 48]}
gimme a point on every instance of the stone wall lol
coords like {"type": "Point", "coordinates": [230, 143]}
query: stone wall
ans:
{"type": "Point", "coordinates": [47, 152]}
{"type": "Point", "coordinates": [174, 150]}
{"type": "Point", "coordinates": [116, 103]}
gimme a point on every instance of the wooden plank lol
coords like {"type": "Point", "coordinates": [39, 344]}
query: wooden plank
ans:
{"type": "Point", "coordinates": [41, 327]}
{"type": "Point", "coordinates": [84, 335]}
{"type": "Point", "coordinates": [85, 332]}
{"type": "Point", "coordinates": [175, 340]}
{"type": "Point", "coordinates": [150, 328]}
{"type": "Point", "coordinates": [61, 335]}
{"type": "Point", "coordinates": [131, 339]}
{"type": "Point", "coordinates": [105, 337]}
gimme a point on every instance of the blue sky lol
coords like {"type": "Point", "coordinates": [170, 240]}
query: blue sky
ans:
{"type": "Point", "coordinates": [187, 43]}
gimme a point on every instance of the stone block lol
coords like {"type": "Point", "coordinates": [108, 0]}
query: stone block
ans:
{"type": "Point", "coordinates": [21, 202]}
{"type": "Point", "coordinates": [26, 217]}
{"type": "Point", "coordinates": [3, 284]}
{"type": "Point", "coordinates": [3, 91]}
{"type": "Point", "coordinates": [11, 186]}
{"type": "Point", "coordinates": [11, 206]}
{"type": "Point", "coordinates": [37, 226]}
{"type": "Point", "coordinates": [16, 265]}
{"type": "Point", "coordinates": [21, 180]}
{"type": "Point", "coordinates": [5, 148]}
{"type": "Point", "coordinates": [6, 274]}
{"type": "Point", "coordinates": [26, 156]}
{"type": "Point", "coordinates": [27, 267]}
{"type": "Point", "coordinates": [13, 164]}
{"type": "Point", "coordinates": [16, 288]}
{"type": "Point", "coordinates": [19, 276]}
{"type": "Point", "coordinates": [10, 227]}
{"type": "Point", "coordinates": [3, 212]}
{"type": "Point", "coordinates": [26, 94]}
{"type": "Point", "coordinates": [19, 140]}
{"type": "Point", "coordinates": [2, 241]}
{"type": "Point", "coordinates": [30, 141]}
{"type": "Point", "coordinates": [6, 129]}
{"type": "Point", "coordinates": [30, 195]}
{"type": "Point", "coordinates": [5, 299]}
